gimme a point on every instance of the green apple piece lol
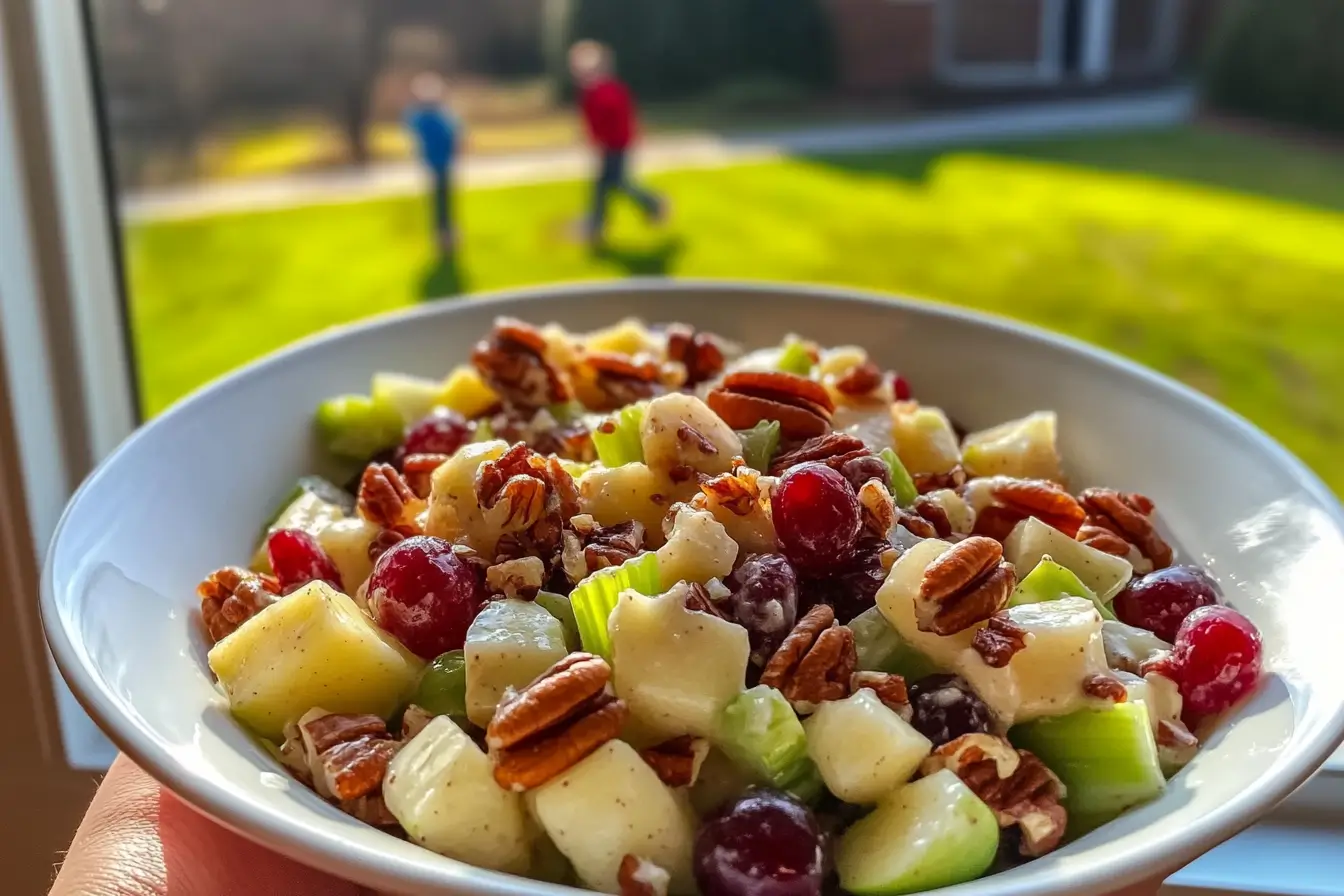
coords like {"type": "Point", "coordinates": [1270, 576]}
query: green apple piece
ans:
{"type": "Point", "coordinates": [698, 548]}
{"type": "Point", "coordinates": [559, 606]}
{"type": "Point", "coordinates": [509, 644]}
{"type": "Point", "coordinates": [1032, 539]}
{"type": "Point", "coordinates": [358, 427]}
{"type": "Point", "coordinates": [675, 668]}
{"type": "Point", "coordinates": [347, 544]}
{"type": "Point", "coordinates": [925, 440]}
{"type": "Point", "coordinates": [896, 601]}
{"type": "Point", "coordinates": [618, 444]}
{"type": "Point", "coordinates": [1063, 647]}
{"type": "Point", "coordinates": [314, 648]}
{"type": "Point", "coordinates": [1107, 759]}
{"type": "Point", "coordinates": [1022, 448]}
{"type": "Point", "coordinates": [898, 479]}
{"type": "Point", "coordinates": [442, 789]}
{"type": "Point", "coordinates": [759, 444]}
{"type": "Point", "coordinates": [761, 733]}
{"type": "Point", "coordinates": [442, 689]}
{"type": "Point", "coordinates": [594, 598]}
{"type": "Point", "coordinates": [863, 750]}
{"type": "Point", "coordinates": [668, 421]}
{"type": "Point", "coordinates": [1050, 581]}
{"type": "Point", "coordinates": [929, 834]}
{"type": "Point", "coordinates": [413, 397]}
{"type": "Point", "coordinates": [1162, 698]}
{"type": "Point", "coordinates": [612, 804]}
{"type": "Point", "coordinates": [881, 649]}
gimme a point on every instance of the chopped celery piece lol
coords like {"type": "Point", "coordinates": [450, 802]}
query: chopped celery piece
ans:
{"type": "Point", "coordinates": [443, 686]}
{"type": "Point", "coordinates": [1050, 581]}
{"type": "Point", "coordinates": [1107, 759]}
{"type": "Point", "coordinates": [902, 486]}
{"type": "Point", "coordinates": [759, 444]}
{"type": "Point", "coordinates": [622, 444]}
{"type": "Point", "coordinates": [761, 733]}
{"type": "Point", "coordinates": [594, 598]}
{"type": "Point", "coordinates": [484, 431]}
{"type": "Point", "coordinates": [880, 648]}
{"type": "Point", "coordinates": [568, 412]}
{"type": "Point", "coordinates": [358, 427]}
{"type": "Point", "coordinates": [795, 358]}
{"type": "Point", "coordinates": [559, 606]}
{"type": "Point", "coordinates": [575, 468]}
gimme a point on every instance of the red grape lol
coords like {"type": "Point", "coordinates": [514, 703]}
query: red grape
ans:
{"type": "Point", "coordinates": [764, 843]}
{"type": "Point", "coordinates": [424, 595]}
{"type": "Point", "coordinates": [900, 387]}
{"type": "Point", "coordinates": [442, 432]}
{"type": "Point", "coordinates": [1216, 661]}
{"type": "Point", "coordinates": [859, 470]}
{"type": "Point", "coordinates": [297, 559]}
{"type": "Point", "coordinates": [816, 514]}
{"type": "Point", "coordinates": [1160, 601]}
{"type": "Point", "coordinates": [852, 588]}
{"type": "Point", "coordinates": [764, 601]}
{"type": "Point", "coordinates": [946, 708]}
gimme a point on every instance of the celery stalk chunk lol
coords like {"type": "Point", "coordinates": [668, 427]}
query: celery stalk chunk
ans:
{"type": "Point", "coordinates": [1050, 581]}
{"type": "Point", "coordinates": [593, 599]}
{"type": "Point", "coordinates": [898, 479]}
{"type": "Point", "coordinates": [760, 732]}
{"type": "Point", "coordinates": [622, 445]}
{"type": "Point", "coordinates": [1107, 759]}
{"type": "Point", "coordinates": [759, 444]}
{"type": "Point", "coordinates": [357, 426]}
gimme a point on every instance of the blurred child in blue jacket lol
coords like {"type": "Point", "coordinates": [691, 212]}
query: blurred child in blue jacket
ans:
{"type": "Point", "coordinates": [436, 134]}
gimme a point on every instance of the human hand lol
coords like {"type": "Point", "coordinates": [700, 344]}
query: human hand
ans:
{"type": "Point", "coordinates": [137, 839]}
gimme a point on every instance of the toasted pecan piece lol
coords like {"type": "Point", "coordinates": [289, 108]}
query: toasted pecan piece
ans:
{"type": "Point", "coordinates": [1017, 499]}
{"type": "Point", "coordinates": [512, 361]}
{"type": "Point", "coordinates": [1128, 516]}
{"type": "Point", "coordinates": [815, 662]}
{"type": "Point", "coordinates": [385, 499]}
{"type": "Point", "coordinates": [889, 688]}
{"type": "Point", "coordinates": [967, 584]}
{"type": "Point", "coordinates": [999, 641]}
{"type": "Point", "coordinates": [860, 379]}
{"type": "Point", "coordinates": [787, 388]}
{"type": "Point", "coordinates": [677, 761]}
{"type": "Point", "coordinates": [830, 448]}
{"type": "Point", "coordinates": [1105, 687]}
{"type": "Point", "coordinates": [931, 482]}
{"type": "Point", "coordinates": [232, 595]}
{"type": "Point", "coordinates": [745, 411]}
{"type": "Point", "coordinates": [640, 877]}
{"type": "Point", "coordinates": [698, 351]}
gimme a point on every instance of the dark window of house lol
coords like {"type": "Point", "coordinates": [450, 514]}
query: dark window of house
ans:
{"type": "Point", "coordinates": [997, 31]}
{"type": "Point", "coordinates": [1134, 38]}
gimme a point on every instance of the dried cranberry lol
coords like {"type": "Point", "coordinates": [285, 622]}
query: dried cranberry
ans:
{"type": "Point", "coordinates": [816, 514]}
{"type": "Point", "coordinates": [297, 559]}
{"type": "Point", "coordinates": [764, 843]}
{"type": "Point", "coordinates": [900, 387]}
{"type": "Point", "coordinates": [764, 602]}
{"type": "Point", "coordinates": [946, 708]}
{"type": "Point", "coordinates": [424, 595]}
{"type": "Point", "coordinates": [1161, 600]}
{"type": "Point", "coordinates": [442, 432]}
{"type": "Point", "coordinates": [851, 589]}
{"type": "Point", "coordinates": [859, 470]}
{"type": "Point", "coordinates": [1216, 662]}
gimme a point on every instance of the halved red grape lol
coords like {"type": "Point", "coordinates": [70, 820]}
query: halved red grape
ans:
{"type": "Point", "coordinates": [1160, 601]}
{"type": "Point", "coordinates": [764, 601]}
{"type": "Point", "coordinates": [442, 432]}
{"type": "Point", "coordinates": [764, 843]}
{"type": "Point", "coordinates": [297, 559]}
{"type": "Point", "coordinates": [422, 593]}
{"type": "Point", "coordinates": [1216, 662]}
{"type": "Point", "coordinates": [816, 515]}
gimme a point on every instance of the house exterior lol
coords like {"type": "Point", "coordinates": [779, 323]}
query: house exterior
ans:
{"type": "Point", "coordinates": [890, 45]}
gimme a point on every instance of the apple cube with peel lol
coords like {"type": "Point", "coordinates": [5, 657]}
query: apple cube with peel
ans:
{"type": "Point", "coordinates": [441, 788]}
{"type": "Point", "coordinates": [509, 644]}
{"type": "Point", "coordinates": [312, 648]}
{"type": "Point", "coordinates": [347, 544]}
{"type": "Point", "coordinates": [1032, 539]}
{"type": "Point", "coordinates": [612, 804]}
{"type": "Point", "coordinates": [676, 668]}
{"type": "Point", "coordinates": [1022, 448]}
{"type": "Point", "coordinates": [863, 749]}
{"type": "Point", "coordinates": [896, 600]}
{"type": "Point", "coordinates": [925, 440]}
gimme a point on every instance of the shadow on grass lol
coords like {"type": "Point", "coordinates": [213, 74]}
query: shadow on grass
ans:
{"type": "Point", "coordinates": [443, 279]}
{"type": "Point", "coordinates": [651, 261]}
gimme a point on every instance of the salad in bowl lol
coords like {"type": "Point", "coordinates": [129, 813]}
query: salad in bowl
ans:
{"type": "Point", "coordinates": [640, 611]}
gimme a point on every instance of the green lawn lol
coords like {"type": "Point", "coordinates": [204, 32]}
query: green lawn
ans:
{"type": "Point", "coordinates": [1214, 257]}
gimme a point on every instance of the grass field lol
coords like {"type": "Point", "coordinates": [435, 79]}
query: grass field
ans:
{"type": "Point", "coordinates": [1214, 257]}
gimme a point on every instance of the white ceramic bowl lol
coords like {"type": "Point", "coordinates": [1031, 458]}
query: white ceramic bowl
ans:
{"type": "Point", "coordinates": [187, 493]}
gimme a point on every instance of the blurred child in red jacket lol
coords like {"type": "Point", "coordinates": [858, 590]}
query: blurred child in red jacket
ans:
{"type": "Point", "coordinates": [609, 113]}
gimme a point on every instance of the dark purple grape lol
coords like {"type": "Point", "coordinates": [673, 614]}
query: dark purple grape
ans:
{"type": "Point", "coordinates": [764, 843]}
{"type": "Point", "coordinates": [764, 602]}
{"type": "Point", "coordinates": [859, 470]}
{"type": "Point", "coordinates": [1161, 600]}
{"type": "Point", "coordinates": [816, 514]}
{"type": "Point", "coordinates": [853, 588]}
{"type": "Point", "coordinates": [946, 708]}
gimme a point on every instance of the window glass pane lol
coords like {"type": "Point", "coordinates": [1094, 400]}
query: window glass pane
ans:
{"type": "Point", "coordinates": [998, 31]}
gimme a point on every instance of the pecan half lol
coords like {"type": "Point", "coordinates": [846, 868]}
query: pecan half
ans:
{"type": "Point", "coordinates": [877, 508]}
{"type": "Point", "coordinates": [997, 522]}
{"type": "Point", "coordinates": [1041, 498]}
{"type": "Point", "coordinates": [347, 755]}
{"type": "Point", "coordinates": [889, 688]}
{"type": "Point", "coordinates": [1105, 687]}
{"type": "Point", "coordinates": [386, 500]}
{"type": "Point", "coordinates": [802, 406]}
{"type": "Point", "coordinates": [232, 595]}
{"type": "Point", "coordinates": [677, 761]}
{"type": "Point", "coordinates": [860, 379]}
{"type": "Point", "coordinates": [640, 877]}
{"type": "Point", "coordinates": [512, 361]}
{"type": "Point", "coordinates": [624, 379]}
{"type": "Point", "coordinates": [999, 641]}
{"type": "Point", "coordinates": [967, 584]}
{"type": "Point", "coordinates": [554, 722]}
{"type": "Point", "coordinates": [1128, 516]}
{"type": "Point", "coordinates": [931, 482]}
{"type": "Point", "coordinates": [701, 353]}
{"type": "Point", "coordinates": [418, 470]}
{"type": "Point", "coordinates": [815, 662]}
{"type": "Point", "coordinates": [832, 449]}
{"type": "Point", "coordinates": [1013, 783]}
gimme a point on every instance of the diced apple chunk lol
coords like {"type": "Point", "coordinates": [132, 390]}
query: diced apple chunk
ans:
{"type": "Point", "coordinates": [464, 391]}
{"type": "Point", "coordinates": [681, 431]}
{"type": "Point", "coordinates": [442, 789]}
{"type": "Point", "coordinates": [896, 600]}
{"type": "Point", "coordinates": [863, 749]}
{"type": "Point", "coordinates": [509, 643]}
{"type": "Point", "coordinates": [1022, 448]}
{"type": "Point", "coordinates": [312, 648]}
{"type": "Point", "coordinates": [454, 512]}
{"type": "Point", "coordinates": [697, 550]}
{"type": "Point", "coordinates": [676, 668]}
{"type": "Point", "coordinates": [631, 492]}
{"type": "Point", "coordinates": [1032, 539]}
{"type": "Point", "coordinates": [347, 544]}
{"type": "Point", "coordinates": [610, 805]}
{"type": "Point", "coordinates": [925, 440]}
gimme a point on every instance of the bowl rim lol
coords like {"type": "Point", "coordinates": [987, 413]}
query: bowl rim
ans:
{"type": "Point", "coordinates": [134, 739]}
